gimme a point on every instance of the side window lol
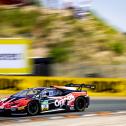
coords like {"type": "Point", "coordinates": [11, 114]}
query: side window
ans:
{"type": "Point", "coordinates": [32, 92]}
{"type": "Point", "coordinates": [58, 93]}
{"type": "Point", "coordinates": [47, 92]}
{"type": "Point", "coordinates": [51, 93]}
{"type": "Point", "coordinates": [44, 92]}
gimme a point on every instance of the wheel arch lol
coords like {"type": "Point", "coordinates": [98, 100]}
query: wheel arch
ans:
{"type": "Point", "coordinates": [87, 100]}
{"type": "Point", "coordinates": [34, 100]}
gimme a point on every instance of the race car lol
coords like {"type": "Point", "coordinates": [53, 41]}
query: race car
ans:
{"type": "Point", "coordinates": [36, 100]}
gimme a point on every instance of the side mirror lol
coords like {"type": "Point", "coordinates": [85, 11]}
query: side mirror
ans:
{"type": "Point", "coordinates": [47, 94]}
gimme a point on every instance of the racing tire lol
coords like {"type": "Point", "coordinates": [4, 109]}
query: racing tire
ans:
{"type": "Point", "coordinates": [33, 108]}
{"type": "Point", "coordinates": [80, 104]}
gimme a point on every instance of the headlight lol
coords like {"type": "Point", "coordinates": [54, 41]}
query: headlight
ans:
{"type": "Point", "coordinates": [3, 99]}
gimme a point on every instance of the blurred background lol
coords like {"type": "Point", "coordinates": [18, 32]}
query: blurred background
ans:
{"type": "Point", "coordinates": [73, 41]}
{"type": "Point", "coordinates": [69, 38]}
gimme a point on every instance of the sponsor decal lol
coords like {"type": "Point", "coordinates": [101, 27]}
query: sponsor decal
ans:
{"type": "Point", "coordinates": [12, 56]}
{"type": "Point", "coordinates": [108, 85]}
{"type": "Point", "coordinates": [61, 102]}
{"type": "Point", "coordinates": [21, 108]}
{"type": "Point", "coordinates": [45, 105]}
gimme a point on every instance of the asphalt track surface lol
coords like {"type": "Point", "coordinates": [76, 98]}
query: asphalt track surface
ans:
{"type": "Point", "coordinates": [99, 106]}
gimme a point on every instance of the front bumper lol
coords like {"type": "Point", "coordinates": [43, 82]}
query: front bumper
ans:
{"type": "Point", "coordinates": [13, 110]}
{"type": "Point", "coordinates": [5, 112]}
{"type": "Point", "coordinates": [2, 110]}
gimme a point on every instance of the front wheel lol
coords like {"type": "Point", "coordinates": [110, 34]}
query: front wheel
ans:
{"type": "Point", "coordinates": [33, 108]}
{"type": "Point", "coordinates": [80, 104]}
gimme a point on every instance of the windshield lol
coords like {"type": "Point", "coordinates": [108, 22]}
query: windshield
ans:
{"type": "Point", "coordinates": [24, 93]}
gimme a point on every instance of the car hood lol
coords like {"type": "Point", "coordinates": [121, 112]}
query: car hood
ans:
{"type": "Point", "coordinates": [12, 99]}
{"type": "Point", "coordinates": [9, 102]}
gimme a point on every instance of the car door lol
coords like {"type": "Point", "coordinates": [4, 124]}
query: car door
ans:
{"type": "Point", "coordinates": [48, 99]}
{"type": "Point", "coordinates": [58, 99]}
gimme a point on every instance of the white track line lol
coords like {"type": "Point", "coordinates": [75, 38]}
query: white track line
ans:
{"type": "Point", "coordinates": [88, 115]}
{"type": "Point", "coordinates": [56, 117]}
{"type": "Point", "coordinates": [121, 112]}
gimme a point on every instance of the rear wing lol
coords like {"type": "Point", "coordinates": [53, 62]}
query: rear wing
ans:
{"type": "Point", "coordinates": [80, 86]}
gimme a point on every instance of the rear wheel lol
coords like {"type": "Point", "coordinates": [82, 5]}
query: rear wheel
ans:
{"type": "Point", "coordinates": [80, 104]}
{"type": "Point", "coordinates": [33, 108]}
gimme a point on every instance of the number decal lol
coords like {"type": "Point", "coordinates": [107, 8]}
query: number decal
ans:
{"type": "Point", "coordinates": [44, 105]}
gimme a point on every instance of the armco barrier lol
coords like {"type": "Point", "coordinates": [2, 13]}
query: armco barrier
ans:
{"type": "Point", "coordinates": [22, 82]}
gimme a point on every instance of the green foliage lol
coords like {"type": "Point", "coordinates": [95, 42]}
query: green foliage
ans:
{"type": "Point", "coordinates": [69, 18]}
{"type": "Point", "coordinates": [45, 21]}
{"type": "Point", "coordinates": [117, 47]}
{"type": "Point", "coordinates": [69, 34]}
{"type": "Point", "coordinates": [24, 31]}
{"type": "Point", "coordinates": [18, 18]}
{"type": "Point", "coordinates": [86, 37]}
{"type": "Point", "coordinates": [46, 24]}
{"type": "Point", "coordinates": [78, 28]}
{"type": "Point", "coordinates": [59, 53]}
{"type": "Point", "coordinates": [35, 2]}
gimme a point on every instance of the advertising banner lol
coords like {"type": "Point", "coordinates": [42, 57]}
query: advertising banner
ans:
{"type": "Point", "coordinates": [14, 56]}
{"type": "Point", "coordinates": [103, 86]}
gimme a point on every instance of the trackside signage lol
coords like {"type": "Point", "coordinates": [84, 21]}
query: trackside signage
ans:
{"type": "Point", "coordinates": [14, 56]}
{"type": "Point", "coordinates": [104, 86]}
